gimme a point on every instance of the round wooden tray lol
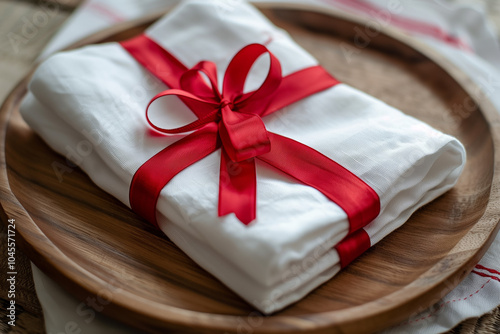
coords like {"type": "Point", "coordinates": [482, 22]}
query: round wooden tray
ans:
{"type": "Point", "coordinates": [95, 247]}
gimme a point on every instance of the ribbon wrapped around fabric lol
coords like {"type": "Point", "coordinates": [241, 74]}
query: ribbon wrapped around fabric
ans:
{"type": "Point", "coordinates": [232, 121]}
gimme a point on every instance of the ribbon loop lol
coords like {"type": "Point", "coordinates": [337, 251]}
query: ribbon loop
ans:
{"type": "Point", "coordinates": [211, 116]}
{"type": "Point", "coordinates": [192, 81]}
{"type": "Point", "coordinates": [237, 73]}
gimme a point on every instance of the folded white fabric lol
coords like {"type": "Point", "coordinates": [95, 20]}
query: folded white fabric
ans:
{"type": "Point", "coordinates": [97, 95]}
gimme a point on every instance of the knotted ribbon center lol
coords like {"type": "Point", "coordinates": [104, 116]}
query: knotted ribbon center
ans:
{"type": "Point", "coordinates": [226, 103]}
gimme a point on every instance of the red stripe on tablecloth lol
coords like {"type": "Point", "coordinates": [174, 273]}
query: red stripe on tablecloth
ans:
{"type": "Point", "coordinates": [407, 24]}
{"type": "Point", "coordinates": [103, 10]}
{"type": "Point", "coordinates": [493, 271]}
{"type": "Point", "coordinates": [486, 275]}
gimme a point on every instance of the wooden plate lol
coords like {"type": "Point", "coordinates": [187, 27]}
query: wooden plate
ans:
{"type": "Point", "coordinates": [95, 247]}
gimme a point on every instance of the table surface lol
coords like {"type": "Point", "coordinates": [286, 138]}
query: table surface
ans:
{"type": "Point", "coordinates": [20, 44]}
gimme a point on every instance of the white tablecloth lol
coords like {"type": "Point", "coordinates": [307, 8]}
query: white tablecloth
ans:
{"type": "Point", "coordinates": [462, 33]}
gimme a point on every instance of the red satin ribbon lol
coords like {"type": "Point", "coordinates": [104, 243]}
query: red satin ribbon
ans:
{"type": "Point", "coordinates": [231, 120]}
{"type": "Point", "coordinates": [353, 246]}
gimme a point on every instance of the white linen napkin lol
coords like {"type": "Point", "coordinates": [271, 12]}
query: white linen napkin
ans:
{"type": "Point", "coordinates": [98, 94]}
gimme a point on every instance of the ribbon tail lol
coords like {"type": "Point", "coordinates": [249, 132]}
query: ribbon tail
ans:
{"type": "Point", "coordinates": [237, 188]}
{"type": "Point", "coordinates": [359, 201]}
{"type": "Point", "coordinates": [154, 174]}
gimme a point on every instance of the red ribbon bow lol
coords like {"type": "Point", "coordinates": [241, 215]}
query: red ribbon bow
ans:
{"type": "Point", "coordinates": [241, 130]}
{"type": "Point", "coordinates": [231, 120]}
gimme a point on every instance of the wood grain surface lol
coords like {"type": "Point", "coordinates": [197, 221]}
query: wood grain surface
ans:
{"type": "Point", "coordinates": [93, 245]}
